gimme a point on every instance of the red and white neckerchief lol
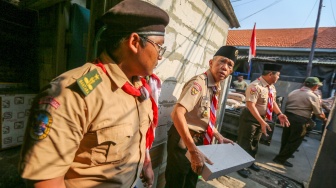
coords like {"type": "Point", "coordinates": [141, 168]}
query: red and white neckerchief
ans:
{"type": "Point", "coordinates": [269, 109]}
{"type": "Point", "coordinates": [155, 86]}
{"type": "Point", "coordinates": [208, 135]}
{"type": "Point", "coordinates": [151, 90]}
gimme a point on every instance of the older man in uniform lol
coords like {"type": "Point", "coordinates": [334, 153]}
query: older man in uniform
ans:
{"type": "Point", "coordinates": [300, 106]}
{"type": "Point", "coordinates": [194, 118]}
{"type": "Point", "coordinates": [88, 127]}
{"type": "Point", "coordinates": [260, 104]}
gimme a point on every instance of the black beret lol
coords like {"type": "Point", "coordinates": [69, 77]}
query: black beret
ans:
{"type": "Point", "coordinates": [230, 52]}
{"type": "Point", "coordinates": [135, 16]}
{"type": "Point", "coordinates": [272, 67]}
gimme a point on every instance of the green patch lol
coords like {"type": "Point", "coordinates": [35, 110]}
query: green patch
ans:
{"type": "Point", "coordinates": [89, 81]}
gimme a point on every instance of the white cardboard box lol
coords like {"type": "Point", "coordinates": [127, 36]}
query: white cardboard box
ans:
{"type": "Point", "coordinates": [227, 158]}
{"type": "Point", "coordinates": [14, 113]}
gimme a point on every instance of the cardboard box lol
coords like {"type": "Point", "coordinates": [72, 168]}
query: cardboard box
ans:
{"type": "Point", "coordinates": [227, 158]}
{"type": "Point", "coordinates": [14, 114]}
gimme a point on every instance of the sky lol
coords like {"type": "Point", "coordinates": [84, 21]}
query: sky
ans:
{"type": "Point", "coordinates": [269, 14]}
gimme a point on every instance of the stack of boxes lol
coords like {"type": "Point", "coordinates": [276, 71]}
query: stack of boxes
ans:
{"type": "Point", "coordinates": [14, 112]}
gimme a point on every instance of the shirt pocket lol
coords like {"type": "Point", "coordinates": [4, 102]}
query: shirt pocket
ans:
{"type": "Point", "coordinates": [264, 98]}
{"type": "Point", "coordinates": [204, 109]}
{"type": "Point", "coordinates": [112, 143]}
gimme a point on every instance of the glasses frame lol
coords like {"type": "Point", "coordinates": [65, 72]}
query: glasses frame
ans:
{"type": "Point", "coordinates": [162, 49]}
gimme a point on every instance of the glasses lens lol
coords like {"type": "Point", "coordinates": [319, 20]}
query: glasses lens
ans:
{"type": "Point", "coordinates": [162, 50]}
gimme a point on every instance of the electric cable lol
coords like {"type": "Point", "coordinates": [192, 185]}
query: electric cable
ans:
{"type": "Point", "coordinates": [243, 3]}
{"type": "Point", "coordinates": [309, 14]}
{"type": "Point", "coordinates": [276, 2]}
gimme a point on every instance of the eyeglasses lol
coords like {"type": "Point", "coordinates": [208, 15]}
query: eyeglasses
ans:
{"type": "Point", "coordinates": [161, 50]}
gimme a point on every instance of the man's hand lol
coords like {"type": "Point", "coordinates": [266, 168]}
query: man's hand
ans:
{"type": "Point", "coordinates": [222, 140]}
{"type": "Point", "coordinates": [264, 128]}
{"type": "Point", "coordinates": [147, 174]}
{"type": "Point", "coordinates": [197, 161]}
{"type": "Point", "coordinates": [283, 120]}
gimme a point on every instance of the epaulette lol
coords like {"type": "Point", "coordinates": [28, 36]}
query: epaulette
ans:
{"type": "Point", "coordinates": [203, 76]}
{"type": "Point", "coordinates": [88, 82]}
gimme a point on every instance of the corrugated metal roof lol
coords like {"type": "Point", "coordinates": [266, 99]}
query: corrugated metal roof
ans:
{"type": "Point", "coordinates": [325, 60]}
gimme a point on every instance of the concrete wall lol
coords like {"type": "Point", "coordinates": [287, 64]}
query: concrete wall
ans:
{"type": "Point", "coordinates": [195, 32]}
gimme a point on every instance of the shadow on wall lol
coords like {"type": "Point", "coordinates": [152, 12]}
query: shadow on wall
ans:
{"type": "Point", "coordinates": [166, 103]}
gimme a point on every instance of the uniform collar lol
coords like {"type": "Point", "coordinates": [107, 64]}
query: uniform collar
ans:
{"type": "Point", "coordinates": [211, 80]}
{"type": "Point", "coordinates": [263, 81]}
{"type": "Point", "coordinates": [304, 88]}
{"type": "Point", "coordinates": [115, 73]}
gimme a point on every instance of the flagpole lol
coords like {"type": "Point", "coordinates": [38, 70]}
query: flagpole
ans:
{"type": "Point", "coordinates": [249, 71]}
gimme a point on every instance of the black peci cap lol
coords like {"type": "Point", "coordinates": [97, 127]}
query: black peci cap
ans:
{"type": "Point", "coordinates": [272, 67]}
{"type": "Point", "coordinates": [230, 52]}
{"type": "Point", "coordinates": [135, 16]}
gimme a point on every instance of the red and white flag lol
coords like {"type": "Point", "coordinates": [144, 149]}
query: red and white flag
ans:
{"type": "Point", "coordinates": [253, 46]}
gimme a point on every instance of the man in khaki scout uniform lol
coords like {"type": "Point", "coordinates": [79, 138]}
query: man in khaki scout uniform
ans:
{"type": "Point", "coordinates": [252, 121]}
{"type": "Point", "coordinates": [88, 127]}
{"type": "Point", "coordinates": [239, 83]}
{"type": "Point", "coordinates": [300, 106]}
{"type": "Point", "coordinates": [191, 116]}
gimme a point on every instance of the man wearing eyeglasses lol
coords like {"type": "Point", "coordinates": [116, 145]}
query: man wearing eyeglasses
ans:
{"type": "Point", "coordinates": [194, 118]}
{"type": "Point", "coordinates": [89, 127]}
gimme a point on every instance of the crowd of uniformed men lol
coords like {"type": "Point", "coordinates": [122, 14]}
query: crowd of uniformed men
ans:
{"type": "Point", "coordinates": [93, 126]}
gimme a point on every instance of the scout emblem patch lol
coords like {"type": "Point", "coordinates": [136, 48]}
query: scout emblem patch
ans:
{"type": "Point", "coordinates": [89, 81]}
{"type": "Point", "coordinates": [253, 90]}
{"type": "Point", "coordinates": [195, 89]}
{"type": "Point", "coordinates": [40, 125]}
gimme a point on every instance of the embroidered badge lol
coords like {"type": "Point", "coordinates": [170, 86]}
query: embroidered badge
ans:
{"type": "Point", "coordinates": [195, 89]}
{"type": "Point", "coordinates": [253, 90]}
{"type": "Point", "coordinates": [50, 100]}
{"type": "Point", "coordinates": [40, 125]}
{"type": "Point", "coordinates": [198, 86]}
{"type": "Point", "coordinates": [205, 114]}
{"type": "Point", "coordinates": [89, 81]}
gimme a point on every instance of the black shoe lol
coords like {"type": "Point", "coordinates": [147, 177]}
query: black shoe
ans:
{"type": "Point", "coordinates": [286, 163]}
{"type": "Point", "coordinates": [244, 173]}
{"type": "Point", "coordinates": [254, 167]}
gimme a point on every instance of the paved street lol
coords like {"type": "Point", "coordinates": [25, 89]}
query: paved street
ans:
{"type": "Point", "coordinates": [272, 174]}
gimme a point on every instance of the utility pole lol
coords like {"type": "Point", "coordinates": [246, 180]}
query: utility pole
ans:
{"type": "Point", "coordinates": [311, 55]}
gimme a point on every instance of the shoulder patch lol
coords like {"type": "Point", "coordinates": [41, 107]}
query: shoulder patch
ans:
{"type": "Point", "coordinates": [196, 88]}
{"type": "Point", "coordinates": [89, 81]}
{"type": "Point", "coordinates": [40, 124]}
{"type": "Point", "coordinates": [253, 90]}
{"type": "Point", "coordinates": [50, 100]}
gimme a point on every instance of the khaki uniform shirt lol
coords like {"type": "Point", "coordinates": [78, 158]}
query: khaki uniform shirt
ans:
{"type": "Point", "coordinates": [196, 98]}
{"type": "Point", "coordinates": [257, 92]}
{"type": "Point", "coordinates": [240, 85]}
{"type": "Point", "coordinates": [96, 140]}
{"type": "Point", "coordinates": [303, 102]}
